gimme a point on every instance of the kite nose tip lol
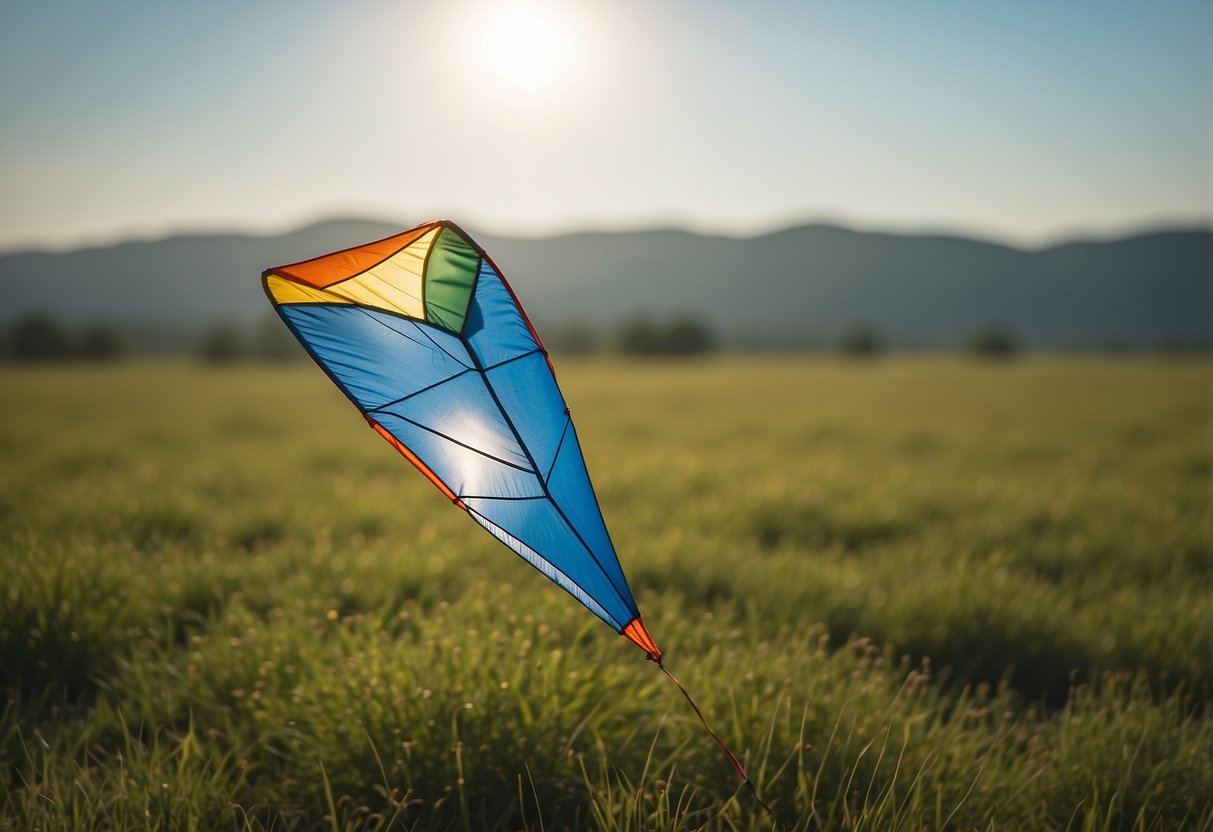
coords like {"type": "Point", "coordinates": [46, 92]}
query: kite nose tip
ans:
{"type": "Point", "coordinates": [638, 634]}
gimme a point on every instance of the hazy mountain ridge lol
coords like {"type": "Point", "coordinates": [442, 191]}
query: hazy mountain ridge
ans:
{"type": "Point", "coordinates": [808, 280]}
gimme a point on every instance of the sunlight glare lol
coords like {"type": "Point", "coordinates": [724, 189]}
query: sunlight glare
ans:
{"type": "Point", "coordinates": [525, 47]}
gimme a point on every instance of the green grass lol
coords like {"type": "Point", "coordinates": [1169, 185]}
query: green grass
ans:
{"type": "Point", "coordinates": [909, 594]}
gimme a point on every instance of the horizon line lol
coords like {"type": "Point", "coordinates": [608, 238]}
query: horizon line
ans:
{"type": "Point", "coordinates": [1070, 235]}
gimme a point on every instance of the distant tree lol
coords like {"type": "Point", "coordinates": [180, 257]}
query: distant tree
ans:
{"type": "Point", "coordinates": [6, 344]}
{"type": "Point", "coordinates": [272, 340]}
{"type": "Point", "coordinates": [682, 337]}
{"type": "Point", "coordinates": [164, 339]}
{"type": "Point", "coordinates": [1113, 344]}
{"type": "Point", "coordinates": [687, 337]}
{"type": "Point", "coordinates": [859, 340]}
{"type": "Point", "coordinates": [223, 343]}
{"type": "Point", "coordinates": [101, 342]}
{"type": "Point", "coordinates": [637, 336]}
{"type": "Point", "coordinates": [1171, 346]}
{"type": "Point", "coordinates": [39, 337]}
{"type": "Point", "coordinates": [993, 341]}
{"type": "Point", "coordinates": [575, 338]}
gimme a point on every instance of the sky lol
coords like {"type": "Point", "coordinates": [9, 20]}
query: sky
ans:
{"type": "Point", "coordinates": [1025, 122]}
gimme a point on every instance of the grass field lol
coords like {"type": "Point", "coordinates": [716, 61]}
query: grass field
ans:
{"type": "Point", "coordinates": [910, 594]}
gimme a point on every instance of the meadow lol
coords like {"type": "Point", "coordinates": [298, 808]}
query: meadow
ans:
{"type": "Point", "coordinates": [910, 593]}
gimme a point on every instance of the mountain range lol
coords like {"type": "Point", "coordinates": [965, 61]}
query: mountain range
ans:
{"type": "Point", "coordinates": [792, 286]}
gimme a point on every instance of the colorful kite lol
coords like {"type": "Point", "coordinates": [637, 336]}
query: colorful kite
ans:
{"type": "Point", "coordinates": [423, 334]}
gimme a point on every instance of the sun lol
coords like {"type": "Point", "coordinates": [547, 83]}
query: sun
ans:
{"type": "Point", "coordinates": [526, 47]}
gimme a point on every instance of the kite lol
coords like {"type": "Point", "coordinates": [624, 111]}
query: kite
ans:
{"type": "Point", "coordinates": [424, 335]}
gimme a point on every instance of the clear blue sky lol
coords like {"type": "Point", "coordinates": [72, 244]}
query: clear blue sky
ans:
{"type": "Point", "coordinates": [1025, 121]}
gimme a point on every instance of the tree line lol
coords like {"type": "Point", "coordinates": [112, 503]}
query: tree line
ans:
{"type": "Point", "coordinates": [40, 337]}
{"type": "Point", "coordinates": [685, 336]}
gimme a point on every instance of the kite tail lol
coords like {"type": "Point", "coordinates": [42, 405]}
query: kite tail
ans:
{"type": "Point", "coordinates": [732, 757]}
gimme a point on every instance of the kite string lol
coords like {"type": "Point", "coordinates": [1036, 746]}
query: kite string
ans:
{"type": "Point", "coordinates": [732, 757]}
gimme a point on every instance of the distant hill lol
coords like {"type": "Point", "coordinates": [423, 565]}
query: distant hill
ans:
{"type": "Point", "coordinates": [801, 283]}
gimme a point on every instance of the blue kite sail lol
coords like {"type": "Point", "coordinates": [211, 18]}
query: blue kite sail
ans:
{"type": "Point", "coordinates": [424, 335]}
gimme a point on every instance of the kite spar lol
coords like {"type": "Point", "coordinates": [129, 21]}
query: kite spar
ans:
{"type": "Point", "coordinates": [424, 335]}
